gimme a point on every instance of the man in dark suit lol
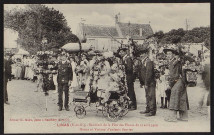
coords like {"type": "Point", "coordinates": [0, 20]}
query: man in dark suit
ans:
{"type": "Point", "coordinates": [128, 63]}
{"type": "Point", "coordinates": [147, 79]}
{"type": "Point", "coordinates": [7, 76]}
{"type": "Point", "coordinates": [64, 78]}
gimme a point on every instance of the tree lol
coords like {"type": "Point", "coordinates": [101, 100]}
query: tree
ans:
{"type": "Point", "coordinates": [196, 35]}
{"type": "Point", "coordinates": [159, 35]}
{"type": "Point", "coordinates": [36, 23]}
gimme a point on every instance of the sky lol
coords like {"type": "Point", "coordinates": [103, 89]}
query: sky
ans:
{"type": "Point", "coordinates": [161, 16]}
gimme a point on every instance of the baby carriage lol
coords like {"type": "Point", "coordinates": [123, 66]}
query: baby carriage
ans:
{"type": "Point", "coordinates": [113, 109]}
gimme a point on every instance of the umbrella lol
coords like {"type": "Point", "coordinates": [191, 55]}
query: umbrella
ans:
{"type": "Point", "coordinates": [75, 47]}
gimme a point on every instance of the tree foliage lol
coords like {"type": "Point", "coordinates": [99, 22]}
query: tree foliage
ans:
{"type": "Point", "coordinates": [196, 35]}
{"type": "Point", "coordinates": [37, 22]}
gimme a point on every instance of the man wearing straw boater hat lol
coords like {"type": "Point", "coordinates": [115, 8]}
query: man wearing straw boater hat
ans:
{"type": "Point", "coordinates": [177, 82]}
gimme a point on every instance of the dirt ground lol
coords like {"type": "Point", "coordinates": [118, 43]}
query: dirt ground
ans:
{"type": "Point", "coordinates": [27, 114]}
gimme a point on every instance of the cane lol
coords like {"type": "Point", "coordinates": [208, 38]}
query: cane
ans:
{"type": "Point", "coordinates": [46, 101]}
{"type": "Point", "coordinates": [46, 104]}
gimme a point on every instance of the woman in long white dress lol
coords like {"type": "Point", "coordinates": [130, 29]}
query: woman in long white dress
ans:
{"type": "Point", "coordinates": [31, 68]}
{"type": "Point", "coordinates": [18, 68]}
{"type": "Point", "coordinates": [26, 64]}
{"type": "Point", "coordinates": [74, 82]}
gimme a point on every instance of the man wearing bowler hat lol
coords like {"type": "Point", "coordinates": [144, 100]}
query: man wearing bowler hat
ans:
{"type": "Point", "coordinates": [147, 75]}
{"type": "Point", "coordinates": [128, 63]}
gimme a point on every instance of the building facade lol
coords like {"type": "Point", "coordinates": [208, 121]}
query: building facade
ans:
{"type": "Point", "coordinates": [109, 38]}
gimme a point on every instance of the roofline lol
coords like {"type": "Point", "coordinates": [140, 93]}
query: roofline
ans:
{"type": "Point", "coordinates": [136, 23]}
{"type": "Point", "coordinates": [98, 25]}
{"type": "Point", "coordinates": [114, 37]}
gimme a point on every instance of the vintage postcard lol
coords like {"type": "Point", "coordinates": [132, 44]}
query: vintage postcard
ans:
{"type": "Point", "coordinates": [107, 68]}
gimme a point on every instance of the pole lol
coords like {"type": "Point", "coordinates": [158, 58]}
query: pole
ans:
{"type": "Point", "coordinates": [186, 25]}
{"type": "Point", "coordinates": [46, 103]}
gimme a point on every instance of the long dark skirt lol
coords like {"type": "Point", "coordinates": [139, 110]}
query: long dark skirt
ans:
{"type": "Point", "coordinates": [23, 72]}
{"type": "Point", "coordinates": [179, 98]}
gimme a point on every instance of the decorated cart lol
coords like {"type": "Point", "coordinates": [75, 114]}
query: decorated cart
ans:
{"type": "Point", "coordinates": [191, 70]}
{"type": "Point", "coordinates": [117, 104]}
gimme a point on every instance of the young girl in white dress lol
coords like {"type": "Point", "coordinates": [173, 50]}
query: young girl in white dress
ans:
{"type": "Point", "coordinates": [162, 87]}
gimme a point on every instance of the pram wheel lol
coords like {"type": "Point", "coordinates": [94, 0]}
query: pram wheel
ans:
{"type": "Point", "coordinates": [113, 111]}
{"type": "Point", "coordinates": [125, 108]}
{"type": "Point", "coordinates": [77, 107]}
{"type": "Point", "coordinates": [80, 112]}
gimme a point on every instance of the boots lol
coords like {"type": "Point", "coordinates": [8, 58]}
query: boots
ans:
{"type": "Point", "coordinates": [162, 103]}
{"type": "Point", "coordinates": [165, 106]}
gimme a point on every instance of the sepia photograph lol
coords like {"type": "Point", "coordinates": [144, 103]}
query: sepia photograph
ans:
{"type": "Point", "coordinates": [107, 68]}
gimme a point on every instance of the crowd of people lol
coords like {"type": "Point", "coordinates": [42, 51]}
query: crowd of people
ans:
{"type": "Point", "coordinates": [162, 73]}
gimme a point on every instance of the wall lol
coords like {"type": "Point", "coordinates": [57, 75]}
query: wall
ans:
{"type": "Point", "coordinates": [108, 44]}
{"type": "Point", "coordinates": [103, 44]}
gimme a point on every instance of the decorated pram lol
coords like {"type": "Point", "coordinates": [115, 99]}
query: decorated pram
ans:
{"type": "Point", "coordinates": [191, 76]}
{"type": "Point", "coordinates": [113, 109]}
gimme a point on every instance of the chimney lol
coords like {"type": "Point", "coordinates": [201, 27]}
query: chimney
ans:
{"type": "Point", "coordinates": [141, 32]}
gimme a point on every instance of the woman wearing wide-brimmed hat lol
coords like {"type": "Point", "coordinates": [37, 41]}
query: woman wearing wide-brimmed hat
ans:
{"type": "Point", "coordinates": [177, 83]}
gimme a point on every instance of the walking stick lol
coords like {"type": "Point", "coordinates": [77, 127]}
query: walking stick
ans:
{"type": "Point", "coordinates": [46, 103]}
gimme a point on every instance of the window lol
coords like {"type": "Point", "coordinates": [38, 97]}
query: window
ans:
{"type": "Point", "coordinates": [93, 43]}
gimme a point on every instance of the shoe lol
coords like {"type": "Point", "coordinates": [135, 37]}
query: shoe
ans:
{"type": "Point", "coordinates": [162, 106]}
{"type": "Point", "coordinates": [67, 109]}
{"type": "Point", "coordinates": [6, 102]}
{"type": "Point", "coordinates": [60, 108]}
{"type": "Point", "coordinates": [132, 108]}
{"type": "Point", "coordinates": [149, 114]}
{"type": "Point", "coordinates": [170, 120]}
{"type": "Point", "coordinates": [185, 120]}
{"type": "Point", "coordinates": [144, 112]}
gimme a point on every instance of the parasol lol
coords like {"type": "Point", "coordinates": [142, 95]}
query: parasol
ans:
{"type": "Point", "coordinates": [75, 47]}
